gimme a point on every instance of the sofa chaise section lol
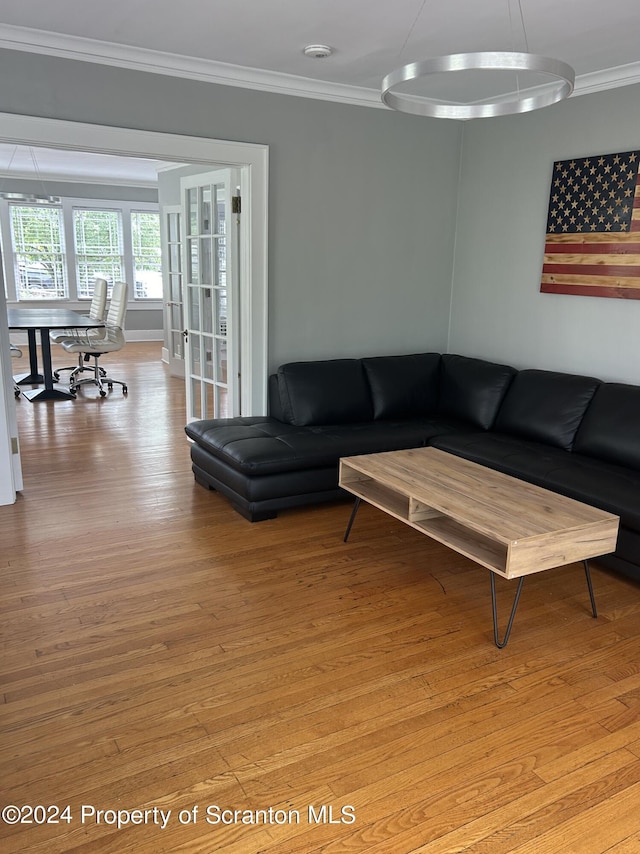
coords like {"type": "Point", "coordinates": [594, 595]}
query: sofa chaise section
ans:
{"type": "Point", "coordinates": [322, 411]}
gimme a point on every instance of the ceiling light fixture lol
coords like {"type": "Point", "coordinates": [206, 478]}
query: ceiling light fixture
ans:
{"type": "Point", "coordinates": [518, 101]}
{"type": "Point", "coordinates": [35, 198]}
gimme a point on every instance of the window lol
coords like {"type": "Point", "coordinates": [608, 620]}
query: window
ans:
{"type": "Point", "coordinates": [38, 252]}
{"type": "Point", "coordinates": [98, 246]}
{"type": "Point", "coordinates": [55, 252]}
{"type": "Point", "coordinates": [145, 229]}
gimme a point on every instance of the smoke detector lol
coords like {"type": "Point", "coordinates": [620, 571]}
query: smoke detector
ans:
{"type": "Point", "coordinates": [318, 51]}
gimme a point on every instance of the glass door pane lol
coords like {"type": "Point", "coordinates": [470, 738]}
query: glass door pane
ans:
{"type": "Point", "coordinates": [171, 246]}
{"type": "Point", "coordinates": [209, 304]}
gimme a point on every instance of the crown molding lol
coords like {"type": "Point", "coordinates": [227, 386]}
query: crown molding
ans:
{"type": "Point", "coordinates": [226, 74]}
{"type": "Point", "coordinates": [174, 65]}
{"type": "Point", "coordinates": [610, 78]}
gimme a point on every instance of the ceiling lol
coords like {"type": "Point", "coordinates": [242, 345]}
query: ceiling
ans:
{"type": "Point", "coordinates": [29, 162]}
{"type": "Point", "coordinates": [259, 43]}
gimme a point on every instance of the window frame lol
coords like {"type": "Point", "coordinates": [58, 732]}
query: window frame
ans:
{"type": "Point", "coordinates": [84, 258]}
{"type": "Point", "coordinates": [158, 256]}
{"type": "Point", "coordinates": [60, 251]}
{"type": "Point", "coordinates": [68, 205]}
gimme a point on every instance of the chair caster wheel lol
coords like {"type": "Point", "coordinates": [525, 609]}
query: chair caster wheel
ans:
{"type": "Point", "coordinates": [110, 386]}
{"type": "Point", "coordinates": [103, 393]}
{"type": "Point", "coordinates": [124, 389]}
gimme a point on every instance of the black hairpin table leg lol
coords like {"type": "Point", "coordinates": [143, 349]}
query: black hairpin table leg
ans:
{"type": "Point", "coordinates": [587, 572]}
{"type": "Point", "coordinates": [356, 505]}
{"type": "Point", "coordinates": [502, 643]}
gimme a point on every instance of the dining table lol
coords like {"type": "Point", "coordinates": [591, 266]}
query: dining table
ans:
{"type": "Point", "coordinates": [32, 320]}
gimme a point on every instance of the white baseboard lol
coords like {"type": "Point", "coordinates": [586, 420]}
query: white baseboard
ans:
{"type": "Point", "coordinates": [143, 335]}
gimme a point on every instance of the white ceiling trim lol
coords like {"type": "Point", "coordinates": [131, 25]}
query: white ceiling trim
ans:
{"type": "Point", "coordinates": [611, 78]}
{"type": "Point", "coordinates": [65, 178]}
{"type": "Point", "coordinates": [226, 74]}
{"type": "Point", "coordinates": [174, 65]}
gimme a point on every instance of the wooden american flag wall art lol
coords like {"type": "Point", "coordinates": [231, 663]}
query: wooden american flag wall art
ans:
{"type": "Point", "coordinates": [592, 245]}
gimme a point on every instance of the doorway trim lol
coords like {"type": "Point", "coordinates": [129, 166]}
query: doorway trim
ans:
{"type": "Point", "coordinates": [252, 159]}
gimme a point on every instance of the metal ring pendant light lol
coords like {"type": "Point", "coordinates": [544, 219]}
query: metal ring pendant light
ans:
{"type": "Point", "coordinates": [490, 60]}
{"type": "Point", "coordinates": [521, 101]}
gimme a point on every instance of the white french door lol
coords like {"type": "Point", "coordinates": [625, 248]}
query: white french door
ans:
{"type": "Point", "coordinates": [171, 234]}
{"type": "Point", "coordinates": [211, 294]}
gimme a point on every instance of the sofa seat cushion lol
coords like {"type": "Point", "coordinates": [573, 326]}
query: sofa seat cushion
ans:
{"type": "Point", "coordinates": [605, 485]}
{"type": "Point", "coordinates": [257, 446]}
{"type": "Point", "coordinates": [610, 487]}
{"type": "Point", "coordinates": [530, 461]}
{"type": "Point", "coordinates": [246, 444]}
{"type": "Point", "coordinates": [545, 406]}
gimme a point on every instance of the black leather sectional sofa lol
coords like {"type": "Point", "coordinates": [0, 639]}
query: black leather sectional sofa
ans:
{"type": "Point", "coordinates": [573, 434]}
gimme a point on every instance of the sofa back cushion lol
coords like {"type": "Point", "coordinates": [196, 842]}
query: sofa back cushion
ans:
{"type": "Point", "coordinates": [275, 405]}
{"type": "Point", "coordinates": [610, 429]}
{"type": "Point", "coordinates": [546, 406]}
{"type": "Point", "coordinates": [403, 386]}
{"type": "Point", "coordinates": [472, 389]}
{"type": "Point", "coordinates": [334, 391]}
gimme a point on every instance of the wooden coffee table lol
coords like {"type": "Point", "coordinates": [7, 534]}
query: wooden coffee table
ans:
{"type": "Point", "coordinates": [507, 525]}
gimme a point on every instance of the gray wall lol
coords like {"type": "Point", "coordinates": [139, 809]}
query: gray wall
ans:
{"type": "Point", "coordinates": [362, 201]}
{"type": "Point", "coordinates": [497, 309]}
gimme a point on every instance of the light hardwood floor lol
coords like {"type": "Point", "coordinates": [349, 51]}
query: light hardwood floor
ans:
{"type": "Point", "coordinates": [161, 653]}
